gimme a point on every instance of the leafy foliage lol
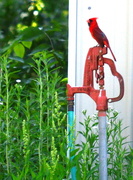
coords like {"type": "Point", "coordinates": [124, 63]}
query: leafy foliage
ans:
{"type": "Point", "coordinates": [32, 126]}
{"type": "Point", "coordinates": [33, 54]}
{"type": "Point", "coordinates": [119, 151]}
{"type": "Point", "coordinates": [35, 26]}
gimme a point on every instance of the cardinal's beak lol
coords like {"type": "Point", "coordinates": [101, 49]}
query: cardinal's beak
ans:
{"type": "Point", "coordinates": [88, 21]}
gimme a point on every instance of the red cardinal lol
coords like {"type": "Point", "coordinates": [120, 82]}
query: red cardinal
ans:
{"type": "Point", "coordinates": [98, 35]}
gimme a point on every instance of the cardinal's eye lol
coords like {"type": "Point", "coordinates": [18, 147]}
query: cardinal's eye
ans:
{"type": "Point", "coordinates": [91, 20]}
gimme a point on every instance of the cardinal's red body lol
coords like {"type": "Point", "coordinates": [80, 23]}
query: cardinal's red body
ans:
{"type": "Point", "coordinates": [98, 35]}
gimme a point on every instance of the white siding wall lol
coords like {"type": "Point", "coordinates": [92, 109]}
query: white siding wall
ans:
{"type": "Point", "coordinates": [115, 18]}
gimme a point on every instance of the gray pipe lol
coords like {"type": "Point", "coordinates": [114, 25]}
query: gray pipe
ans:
{"type": "Point", "coordinates": [102, 146]}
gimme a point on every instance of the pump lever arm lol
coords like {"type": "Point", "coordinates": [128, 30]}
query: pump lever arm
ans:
{"type": "Point", "coordinates": [120, 79]}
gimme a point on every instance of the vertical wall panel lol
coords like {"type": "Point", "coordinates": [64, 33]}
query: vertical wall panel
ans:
{"type": "Point", "coordinates": [115, 18]}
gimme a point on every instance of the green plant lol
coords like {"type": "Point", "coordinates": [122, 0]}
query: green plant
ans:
{"type": "Point", "coordinates": [119, 152]}
{"type": "Point", "coordinates": [118, 148]}
{"type": "Point", "coordinates": [33, 125]}
{"type": "Point", "coordinates": [87, 165]}
{"type": "Point", "coordinates": [8, 115]}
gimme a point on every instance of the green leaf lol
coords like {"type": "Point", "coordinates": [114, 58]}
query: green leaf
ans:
{"type": "Point", "coordinates": [41, 47]}
{"type": "Point", "coordinates": [27, 44]}
{"type": "Point", "coordinates": [16, 58]}
{"type": "Point", "coordinates": [73, 152]}
{"type": "Point", "coordinates": [31, 33]}
{"type": "Point", "coordinates": [33, 174]}
{"type": "Point", "coordinates": [64, 80]}
{"type": "Point", "coordinates": [8, 48]}
{"type": "Point", "coordinates": [19, 50]}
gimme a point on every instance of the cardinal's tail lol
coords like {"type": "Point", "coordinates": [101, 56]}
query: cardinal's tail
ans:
{"type": "Point", "coordinates": [112, 53]}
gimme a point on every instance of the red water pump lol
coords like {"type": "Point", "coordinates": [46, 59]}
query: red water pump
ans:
{"type": "Point", "coordinates": [94, 68]}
